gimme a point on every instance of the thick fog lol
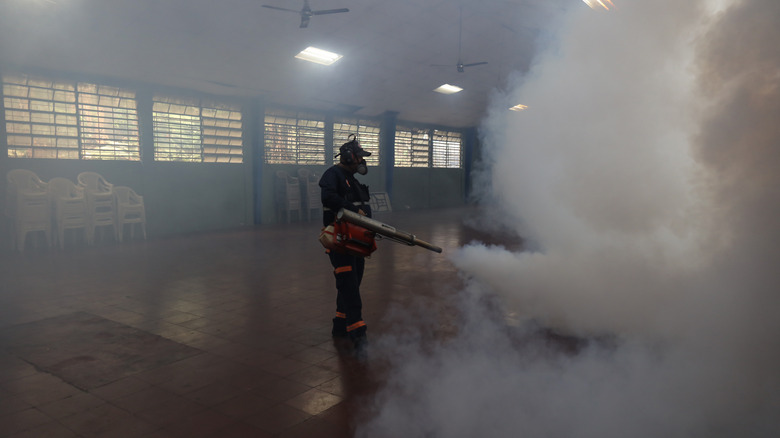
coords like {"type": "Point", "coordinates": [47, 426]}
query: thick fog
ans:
{"type": "Point", "coordinates": [644, 179]}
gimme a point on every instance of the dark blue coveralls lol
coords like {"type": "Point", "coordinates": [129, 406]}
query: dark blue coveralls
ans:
{"type": "Point", "coordinates": [340, 189]}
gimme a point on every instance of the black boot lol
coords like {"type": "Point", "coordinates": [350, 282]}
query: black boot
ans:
{"type": "Point", "coordinates": [339, 328]}
{"type": "Point", "coordinates": [360, 345]}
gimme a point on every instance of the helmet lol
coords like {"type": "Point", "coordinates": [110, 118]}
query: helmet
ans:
{"type": "Point", "coordinates": [351, 150]}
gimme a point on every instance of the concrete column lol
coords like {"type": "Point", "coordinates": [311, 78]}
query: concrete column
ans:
{"type": "Point", "coordinates": [387, 147]}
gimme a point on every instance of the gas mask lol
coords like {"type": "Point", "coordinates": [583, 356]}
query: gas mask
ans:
{"type": "Point", "coordinates": [352, 155]}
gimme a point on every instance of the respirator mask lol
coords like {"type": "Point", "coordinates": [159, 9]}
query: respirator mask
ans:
{"type": "Point", "coordinates": [352, 154]}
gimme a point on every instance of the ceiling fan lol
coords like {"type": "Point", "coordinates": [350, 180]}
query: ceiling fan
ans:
{"type": "Point", "coordinates": [306, 13]}
{"type": "Point", "coordinates": [460, 65]}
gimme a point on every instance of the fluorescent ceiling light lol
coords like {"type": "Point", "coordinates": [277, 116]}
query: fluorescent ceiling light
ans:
{"type": "Point", "coordinates": [595, 3]}
{"type": "Point", "coordinates": [518, 107]}
{"type": "Point", "coordinates": [448, 89]}
{"type": "Point", "coordinates": [319, 56]}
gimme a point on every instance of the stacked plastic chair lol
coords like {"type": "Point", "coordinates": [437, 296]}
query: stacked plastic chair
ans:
{"type": "Point", "coordinates": [287, 195]}
{"type": "Point", "coordinates": [69, 207]}
{"type": "Point", "coordinates": [101, 203]}
{"type": "Point", "coordinates": [311, 193]}
{"type": "Point", "coordinates": [27, 206]}
{"type": "Point", "coordinates": [129, 210]}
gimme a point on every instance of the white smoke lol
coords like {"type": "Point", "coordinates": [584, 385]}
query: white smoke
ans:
{"type": "Point", "coordinates": [644, 176]}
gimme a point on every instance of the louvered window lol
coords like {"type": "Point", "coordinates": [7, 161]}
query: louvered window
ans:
{"type": "Point", "coordinates": [68, 120]}
{"type": "Point", "coordinates": [412, 147]}
{"type": "Point", "coordinates": [294, 138]}
{"type": "Point", "coordinates": [108, 118]}
{"type": "Point", "coordinates": [446, 149]}
{"type": "Point", "coordinates": [222, 133]}
{"type": "Point", "coordinates": [367, 133]}
{"type": "Point", "coordinates": [196, 131]}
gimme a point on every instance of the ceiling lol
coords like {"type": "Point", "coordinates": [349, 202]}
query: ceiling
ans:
{"type": "Point", "coordinates": [239, 48]}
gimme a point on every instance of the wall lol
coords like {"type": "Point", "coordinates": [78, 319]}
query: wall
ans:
{"type": "Point", "coordinates": [375, 179]}
{"type": "Point", "coordinates": [419, 188]}
{"type": "Point", "coordinates": [193, 197]}
{"type": "Point", "coordinates": [196, 197]}
{"type": "Point", "coordinates": [179, 197]}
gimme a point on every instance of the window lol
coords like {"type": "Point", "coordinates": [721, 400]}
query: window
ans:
{"type": "Point", "coordinates": [422, 147]}
{"type": "Point", "coordinates": [67, 120]}
{"type": "Point", "coordinates": [222, 133]}
{"type": "Point", "coordinates": [412, 146]}
{"type": "Point", "coordinates": [176, 130]}
{"type": "Point", "coordinates": [109, 123]}
{"type": "Point", "coordinates": [446, 149]}
{"type": "Point", "coordinates": [367, 133]}
{"type": "Point", "coordinates": [294, 138]}
{"type": "Point", "coordinates": [196, 131]}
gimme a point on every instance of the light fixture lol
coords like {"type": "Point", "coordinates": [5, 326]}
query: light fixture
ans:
{"type": "Point", "coordinates": [318, 56]}
{"type": "Point", "coordinates": [448, 89]}
{"type": "Point", "coordinates": [518, 107]}
{"type": "Point", "coordinates": [596, 3]}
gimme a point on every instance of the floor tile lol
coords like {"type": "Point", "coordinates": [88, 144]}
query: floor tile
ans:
{"type": "Point", "coordinates": [24, 420]}
{"type": "Point", "coordinates": [278, 418]}
{"type": "Point", "coordinates": [107, 421]}
{"type": "Point", "coordinates": [313, 376]}
{"type": "Point", "coordinates": [40, 388]}
{"type": "Point", "coordinates": [10, 403]}
{"type": "Point", "coordinates": [241, 430]}
{"type": "Point", "coordinates": [244, 405]}
{"type": "Point", "coordinates": [71, 405]}
{"type": "Point", "coordinates": [315, 427]}
{"type": "Point", "coordinates": [120, 388]}
{"type": "Point", "coordinates": [148, 398]}
{"type": "Point", "coordinates": [334, 386]}
{"type": "Point", "coordinates": [314, 401]}
{"type": "Point", "coordinates": [213, 393]}
{"type": "Point", "coordinates": [89, 351]}
{"type": "Point", "coordinates": [280, 390]}
{"type": "Point", "coordinates": [313, 355]}
{"type": "Point", "coordinates": [223, 334]}
{"type": "Point", "coordinates": [204, 424]}
{"type": "Point", "coordinates": [48, 430]}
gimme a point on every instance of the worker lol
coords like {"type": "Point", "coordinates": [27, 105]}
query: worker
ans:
{"type": "Point", "coordinates": [340, 189]}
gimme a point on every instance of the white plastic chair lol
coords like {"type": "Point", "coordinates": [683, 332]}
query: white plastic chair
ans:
{"type": "Point", "coordinates": [311, 192]}
{"type": "Point", "coordinates": [101, 203]}
{"type": "Point", "coordinates": [288, 195]}
{"type": "Point", "coordinates": [27, 205]}
{"type": "Point", "coordinates": [130, 210]}
{"type": "Point", "coordinates": [69, 207]}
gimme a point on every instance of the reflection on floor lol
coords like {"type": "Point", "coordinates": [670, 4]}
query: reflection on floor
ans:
{"type": "Point", "coordinates": [210, 335]}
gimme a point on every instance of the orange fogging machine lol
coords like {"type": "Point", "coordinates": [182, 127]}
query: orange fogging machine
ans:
{"type": "Point", "coordinates": [355, 234]}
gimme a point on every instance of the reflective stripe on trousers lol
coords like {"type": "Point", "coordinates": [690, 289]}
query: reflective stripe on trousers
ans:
{"type": "Point", "coordinates": [348, 271]}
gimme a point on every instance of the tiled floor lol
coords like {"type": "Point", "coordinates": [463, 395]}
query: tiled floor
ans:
{"type": "Point", "coordinates": [210, 335]}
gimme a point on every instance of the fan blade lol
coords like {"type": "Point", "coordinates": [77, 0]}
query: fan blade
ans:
{"type": "Point", "coordinates": [281, 9]}
{"type": "Point", "coordinates": [329, 11]}
{"type": "Point", "coordinates": [223, 84]}
{"type": "Point", "coordinates": [475, 63]}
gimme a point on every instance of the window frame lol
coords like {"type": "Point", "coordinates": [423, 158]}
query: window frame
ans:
{"type": "Point", "coordinates": [368, 133]}
{"type": "Point", "coordinates": [75, 120]}
{"type": "Point", "coordinates": [283, 131]}
{"type": "Point", "coordinates": [196, 130]}
{"type": "Point", "coordinates": [443, 147]}
{"type": "Point", "coordinates": [412, 150]}
{"type": "Point", "coordinates": [418, 146]}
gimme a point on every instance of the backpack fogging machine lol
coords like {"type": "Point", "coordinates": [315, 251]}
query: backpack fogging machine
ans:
{"type": "Point", "coordinates": [355, 234]}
